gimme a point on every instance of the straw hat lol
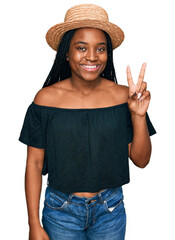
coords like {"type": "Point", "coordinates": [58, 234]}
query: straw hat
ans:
{"type": "Point", "coordinates": [84, 15]}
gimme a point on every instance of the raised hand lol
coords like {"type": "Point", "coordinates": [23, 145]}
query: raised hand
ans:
{"type": "Point", "coordinates": [138, 105]}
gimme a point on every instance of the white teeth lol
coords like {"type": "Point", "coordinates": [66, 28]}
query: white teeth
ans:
{"type": "Point", "coordinates": [85, 66]}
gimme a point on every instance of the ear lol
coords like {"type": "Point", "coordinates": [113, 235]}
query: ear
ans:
{"type": "Point", "coordinates": [67, 56]}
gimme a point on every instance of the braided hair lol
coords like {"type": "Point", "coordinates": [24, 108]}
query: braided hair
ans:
{"type": "Point", "coordinates": [61, 69]}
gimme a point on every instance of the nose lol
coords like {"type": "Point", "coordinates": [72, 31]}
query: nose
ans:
{"type": "Point", "coordinates": [91, 55]}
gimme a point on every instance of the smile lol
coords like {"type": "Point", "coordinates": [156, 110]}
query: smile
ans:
{"type": "Point", "coordinates": [90, 67]}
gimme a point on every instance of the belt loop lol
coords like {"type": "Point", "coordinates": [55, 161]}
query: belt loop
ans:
{"type": "Point", "coordinates": [101, 198]}
{"type": "Point", "coordinates": [70, 197]}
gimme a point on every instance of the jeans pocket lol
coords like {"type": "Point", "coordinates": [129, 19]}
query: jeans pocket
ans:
{"type": "Point", "coordinates": [111, 206]}
{"type": "Point", "coordinates": [54, 201]}
{"type": "Point", "coordinates": [112, 202]}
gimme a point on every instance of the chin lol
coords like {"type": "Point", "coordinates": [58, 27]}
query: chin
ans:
{"type": "Point", "coordinates": [90, 77]}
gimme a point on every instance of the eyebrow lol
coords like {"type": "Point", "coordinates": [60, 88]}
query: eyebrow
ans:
{"type": "Point", "coordinates": [101, 43]}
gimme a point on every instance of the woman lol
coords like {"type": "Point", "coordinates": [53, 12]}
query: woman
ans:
{"type": "Point", "coordinates": [80, 129]}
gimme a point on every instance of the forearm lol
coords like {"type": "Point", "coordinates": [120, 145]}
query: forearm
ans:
{"type": "Point", "coordinates": [33, 184]}
{"type": "Point", "coordinates": [141, 145]}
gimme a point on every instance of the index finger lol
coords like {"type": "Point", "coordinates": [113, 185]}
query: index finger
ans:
{"type": "Point", "coordinates": [141, 75]}
{"type": "Point", "coordinates": [129, 76]}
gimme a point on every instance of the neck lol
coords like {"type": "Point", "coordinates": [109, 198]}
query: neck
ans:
{"type": "Point", "coordinates": [85, 87]}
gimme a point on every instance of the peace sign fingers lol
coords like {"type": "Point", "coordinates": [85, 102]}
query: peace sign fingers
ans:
{"type": "Point", "coordinates": [129, 76]}
{"type": "Point", "coordinates": [132, 86]}
{"type": "Point", "coordinates": [135, 88]}
{"type": "Point", "coordinates": [141, 76]}
{"type": "Point", "coordinates": [139, 97]}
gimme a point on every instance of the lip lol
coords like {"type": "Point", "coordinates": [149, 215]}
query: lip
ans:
{"type": "Point", "coordinates": [90, 69]}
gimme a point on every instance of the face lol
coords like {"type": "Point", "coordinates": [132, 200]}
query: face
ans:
{"type": "Point", "coordinates": [87, 54]}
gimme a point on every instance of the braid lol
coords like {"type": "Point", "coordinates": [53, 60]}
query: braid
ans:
{"type": "Point", "coordinates": [109, 71]}
{"type": "Point", "coordinates": [61, 69]}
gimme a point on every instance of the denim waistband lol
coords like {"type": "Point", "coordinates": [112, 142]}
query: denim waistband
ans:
{"type": "Point", "coordinates": [99, 197]}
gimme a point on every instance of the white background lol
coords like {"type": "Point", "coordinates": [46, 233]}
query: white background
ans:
{"type": "Point", "coordinates": [26, 60]}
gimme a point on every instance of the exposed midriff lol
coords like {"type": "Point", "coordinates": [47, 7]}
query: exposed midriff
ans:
{"type": "Point", "coordinates": [86, 194]}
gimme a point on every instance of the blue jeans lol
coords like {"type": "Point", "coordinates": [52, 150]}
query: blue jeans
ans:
{"type": "Point", "coordinates": [69, 217]}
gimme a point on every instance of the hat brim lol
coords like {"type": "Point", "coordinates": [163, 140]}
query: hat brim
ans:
{"type": "Point", "coordinates": [55, 33]}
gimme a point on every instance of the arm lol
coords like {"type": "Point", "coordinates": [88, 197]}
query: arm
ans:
{"type": "Point", "coordinates": [33, 184]}
{"type": "Point", "coordinates": [140, 148]}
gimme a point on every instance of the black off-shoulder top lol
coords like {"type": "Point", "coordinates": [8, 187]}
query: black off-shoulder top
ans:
{"type": "Point", "coordinates": [86, 150]}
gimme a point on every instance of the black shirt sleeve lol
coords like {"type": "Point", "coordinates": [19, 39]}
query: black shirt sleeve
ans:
{"type": "Point", "coordinates": [150, 126]}
{"type": "Point", "coordinates": [31, 132]}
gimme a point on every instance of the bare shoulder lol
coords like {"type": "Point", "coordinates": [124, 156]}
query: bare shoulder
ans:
{"type": "Point", "coordinates": [45, 96]}
{"type": "Point", "coordinates": [40, 96]}
{"type": "Point", "coordinates": [121, 92]}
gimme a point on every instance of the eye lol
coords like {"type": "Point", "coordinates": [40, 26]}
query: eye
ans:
{"type": "Point", "coordinates": [101, 49]}
{"type": "Point", "coordinates": [83, 49]}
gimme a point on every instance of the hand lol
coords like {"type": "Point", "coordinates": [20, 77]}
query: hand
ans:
{"type": "Point", "coordinates": [138, 106]}
{"type": "Point", "coordinates": [37, 233]}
